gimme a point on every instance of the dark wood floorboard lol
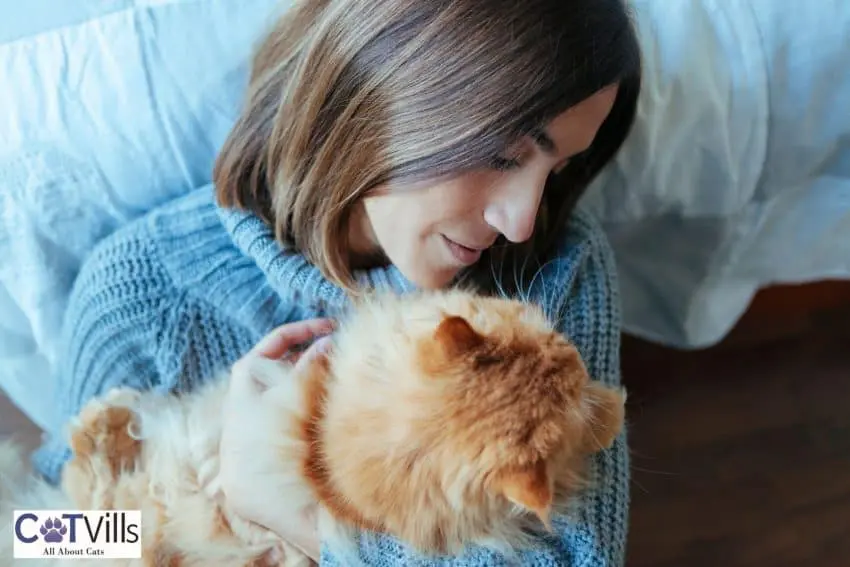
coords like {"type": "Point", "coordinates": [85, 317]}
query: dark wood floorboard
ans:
{"type": "Point", "coordinates": [741, 455]}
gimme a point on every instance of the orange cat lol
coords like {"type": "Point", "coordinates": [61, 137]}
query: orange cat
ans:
{"type": "Point", "coordinates": [443, 418]}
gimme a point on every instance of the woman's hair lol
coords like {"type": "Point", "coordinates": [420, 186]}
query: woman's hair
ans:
{"type": "Point", "coordinates": [348, 95]}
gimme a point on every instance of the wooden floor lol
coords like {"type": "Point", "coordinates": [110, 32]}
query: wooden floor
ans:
{"type": "Point", "coordinates": [740, 454]}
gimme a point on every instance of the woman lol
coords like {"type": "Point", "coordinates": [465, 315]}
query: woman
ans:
{"type": "Point", "coordinates": [400, 144]}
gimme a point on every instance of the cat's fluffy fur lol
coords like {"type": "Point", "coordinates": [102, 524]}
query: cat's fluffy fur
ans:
{"type": "Point", "coordinates": [443, 418]}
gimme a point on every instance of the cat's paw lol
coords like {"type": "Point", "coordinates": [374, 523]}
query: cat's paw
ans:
{"type": "Point", "coordinates": [104, 428]}
{"type": "Point", "coordinates": [122, 396]}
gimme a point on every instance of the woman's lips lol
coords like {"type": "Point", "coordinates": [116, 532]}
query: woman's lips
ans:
{"type": "Point", "coordinates": [463, 254]}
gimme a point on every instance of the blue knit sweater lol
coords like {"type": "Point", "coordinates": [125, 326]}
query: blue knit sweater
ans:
{"type": "Point", "coordinates": [181, 293]}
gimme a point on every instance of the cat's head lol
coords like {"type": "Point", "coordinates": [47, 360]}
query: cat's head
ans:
{"type": "Point", "coordinates": [450, 413]}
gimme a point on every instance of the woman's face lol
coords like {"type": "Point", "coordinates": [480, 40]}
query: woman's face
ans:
{"type": "Point", "coordinates": [431, 233]}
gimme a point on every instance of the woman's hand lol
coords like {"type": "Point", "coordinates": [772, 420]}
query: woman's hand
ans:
{"type": "Point", "coordinates": [247, 467]}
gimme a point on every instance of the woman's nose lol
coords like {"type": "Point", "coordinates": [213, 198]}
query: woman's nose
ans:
{"type": "Point", "coordinates": [512, 209]}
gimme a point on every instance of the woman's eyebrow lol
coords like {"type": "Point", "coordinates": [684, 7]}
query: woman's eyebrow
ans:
{"type": "Point", "coordinates": [542, 139]}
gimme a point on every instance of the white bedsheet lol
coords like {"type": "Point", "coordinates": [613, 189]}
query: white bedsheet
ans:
{"type": "Point", "coordinates": [738, 172]}
{"type": "Point", "coordinates": [737, 175]}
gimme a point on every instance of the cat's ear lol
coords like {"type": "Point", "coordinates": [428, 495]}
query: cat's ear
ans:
{"type": "Point", "coordinates": [606, 409]}
{"type": "Point", "coordinates": [456, 336]}
{"type": "Point", "coordinates": [530, 488]}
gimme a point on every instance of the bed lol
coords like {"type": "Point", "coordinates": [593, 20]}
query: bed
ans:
{"type": "Point", "coordinates": [737, 175]}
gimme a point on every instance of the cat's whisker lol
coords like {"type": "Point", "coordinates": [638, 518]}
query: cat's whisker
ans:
{"type": "Point", "coordinates": [639, 485]}
{"type": "Point", "coordinates": [517, 283]}
{"type": "Point", "coordinates": [651, 471]}
{"type": "Point", "coordinates": [498, 274]}
{"type": "Point", "coordinates": [529, 289]}
{"type": "Point", "coordinates": [538, 273]}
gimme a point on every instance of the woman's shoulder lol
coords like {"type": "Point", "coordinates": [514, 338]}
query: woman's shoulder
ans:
{"type": "Point", "coordinates": [580, 250]}
{"type": "Point", "coordinates": [147, 248]}
{"type": "Point", "coordinates": [179, 252]}
{"type": "Point", "coordinates": [581, 234]}
{"type": "Point", "coordinates": [577, 285]}
{"type": "Point", "coordinates": [128, 275]}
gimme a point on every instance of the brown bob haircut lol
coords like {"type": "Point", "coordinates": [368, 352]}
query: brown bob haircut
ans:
{"type": "Point", "coordinates": [345, 96]}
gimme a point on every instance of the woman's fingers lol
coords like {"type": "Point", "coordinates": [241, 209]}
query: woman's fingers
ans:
{"type": "Point", "coordinates": [321, 346]}
{"type": "Point", "coordinates": [257, 370]}
{"type": "Point", "coordinates": [242, 388]}
{"type": "Point", "coordinates": [282, 339]}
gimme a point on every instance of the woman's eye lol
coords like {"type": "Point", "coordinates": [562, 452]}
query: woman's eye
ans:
{"type": "Point", "coordinates": [504, 164]}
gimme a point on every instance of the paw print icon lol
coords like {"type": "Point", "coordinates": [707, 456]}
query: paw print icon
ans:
{"type": "Point", "coordinates": [53, 530]}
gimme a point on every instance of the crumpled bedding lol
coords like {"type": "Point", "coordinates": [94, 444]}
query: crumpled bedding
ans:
{"type": "Point", "coordinates": [737, 174]}
{"type": "Point", "coordinates": [108, 108]}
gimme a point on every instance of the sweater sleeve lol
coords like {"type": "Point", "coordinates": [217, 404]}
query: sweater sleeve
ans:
{"type": "Point", "coordinates": [578, 289]}
{"type": "Point", "coordinates": [128, 324]}
{"type": "Point", "coordinates": [589, 316]}
{"type": "Point", "coordinates": [106, 339]}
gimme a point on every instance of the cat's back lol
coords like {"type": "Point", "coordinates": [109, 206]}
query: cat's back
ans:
{"type": "Point", "coordinates": [181, 434]}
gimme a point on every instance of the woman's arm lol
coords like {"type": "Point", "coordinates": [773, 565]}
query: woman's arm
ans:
{"type": "Point", "coordinates": [128, 324]}
{"type": "Point", "coordinates": [106, 341]}
{"type": "Point", "coordinates": [578, 288]}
